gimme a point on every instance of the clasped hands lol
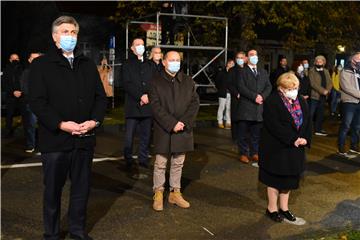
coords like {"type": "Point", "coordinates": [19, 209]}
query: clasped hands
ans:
{"type": "Point", "coordinates": [77, 128]}
{"type": "Point", "coordinates": [179, 127]}
{"type": "Point", "coordinates": [300, 142]}
{"type": "Point", "coordinates": [259, 99]}
{"type": "Point", "coordinates": [144, 100]}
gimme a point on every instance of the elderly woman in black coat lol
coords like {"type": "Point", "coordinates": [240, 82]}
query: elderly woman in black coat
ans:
{"type": "Point", "coordinates": [286, 133]}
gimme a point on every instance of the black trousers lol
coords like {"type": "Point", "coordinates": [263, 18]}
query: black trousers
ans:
{"type": "Point", "coordinates": [131, 125]}
{"type": "Point", "coordinates": [249, 137]}
{"type": "Point", "coordinates": [57, 166]}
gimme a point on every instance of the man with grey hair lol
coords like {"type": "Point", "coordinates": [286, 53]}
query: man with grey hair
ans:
{"type": "Point", "coordinates": [156, 57]}
{"type": "Point", "coordinates": [68, 98]}
{"type": "Point", "coordinates": [320, 82]}
{"type": "Point", "coordinates": [350, 98]}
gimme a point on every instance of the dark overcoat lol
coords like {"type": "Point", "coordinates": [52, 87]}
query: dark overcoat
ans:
{"type": "Point", "coordinates": [249, 86]}
{"type": "Point", "coordinates": [173, 99]}
{"type": "Point", "coordinates": [277, 152]}
{"type": "Point", "coordinates": [136, 77]}
{"type": "Point", "coordinates": [59, 93]}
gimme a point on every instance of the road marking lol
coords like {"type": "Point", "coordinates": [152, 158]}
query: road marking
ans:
{"type": "Point", "coordinates": [26, 165]}
{"type": "Point", "coordinates": [208, 231]}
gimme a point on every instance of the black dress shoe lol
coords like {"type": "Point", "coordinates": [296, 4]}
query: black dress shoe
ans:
{"type": "Point", "coordinates": [275, 216]}
{"type": "Point", "coordinates": [77, 237]}
{"type": "Point", "coordinates": [288, 215]}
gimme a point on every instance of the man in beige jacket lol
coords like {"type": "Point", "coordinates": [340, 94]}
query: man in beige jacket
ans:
{"type": "Point", "coordinates": [321, 85]}
{"type": "Point", "coordinates": [350, 98]}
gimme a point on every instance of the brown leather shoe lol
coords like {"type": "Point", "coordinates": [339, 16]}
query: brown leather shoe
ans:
{"type": "Point", "coordinates": [255, 157]}
{"type": "Point", "coordinates": [244, 159]}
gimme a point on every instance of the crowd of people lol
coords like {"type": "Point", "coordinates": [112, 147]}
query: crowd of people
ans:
{"type": "Point", "coordinates": [317, 85]}
{"type": "Point", "coordinates": [270, 118]}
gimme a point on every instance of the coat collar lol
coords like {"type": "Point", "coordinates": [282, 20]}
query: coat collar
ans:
{"type": "Point", "coordinates": [303, 109]}
{"type": "Point", "coordinates": [56, 55]}
{"type": "Point", "coordinates": [179, 76]}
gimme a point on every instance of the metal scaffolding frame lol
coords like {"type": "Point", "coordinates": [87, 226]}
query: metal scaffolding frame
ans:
{"type": "Point", "coordinates": [222, 49]}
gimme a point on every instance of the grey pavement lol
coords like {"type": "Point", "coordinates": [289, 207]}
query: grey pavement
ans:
{"type": "Point", "coordinates": [227, 201]}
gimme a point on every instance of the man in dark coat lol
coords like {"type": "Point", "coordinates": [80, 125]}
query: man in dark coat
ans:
{"type": "Point", "coordinates": [222, 85]}
{"type": "Point", "coordinates": [233, 78]}
{"type": "Point", "coordinates": [254, 87]}
{"type": "Point", "coordinates": [156, 57]}
{"type": "Point", "coordinates": [68, 98]}
{"type": "Point", "coordinates": [14, 98]}
{"type": "Point", "coordinates": [29, 119]}
{"type": "Point", "coordinates": [137, 72]}
{"type": "Point", "coordinates": [282, 68]}
{"type": "Point", "coordinates": [175, 104]}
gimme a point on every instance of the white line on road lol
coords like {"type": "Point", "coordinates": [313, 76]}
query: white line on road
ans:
{"type": "Point", "coordinates": [208, 231]}
{"type": "Point", "coordinates": [39, 164]}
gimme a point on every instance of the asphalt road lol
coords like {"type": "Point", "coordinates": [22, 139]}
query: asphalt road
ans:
{"type": "Point", "coordinates": [227, 201]}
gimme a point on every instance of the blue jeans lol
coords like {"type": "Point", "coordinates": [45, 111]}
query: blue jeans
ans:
{"type": "Point", "coordinates": [248, 137]}
{"type": "Point", "coordinates": [30, 125]}
{"type": "Point", "coordinates": [335, 98]}
{"type": "Point", "coordinates": [145, 135]}
{"type": "Point", "coordinates": [317, 111]}
{"type": "Point", "coordinates": [350, 121]}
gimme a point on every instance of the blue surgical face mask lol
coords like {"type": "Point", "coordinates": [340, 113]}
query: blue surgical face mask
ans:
{"type": "Point", "coordinates": [239, 61]}
{"type": "Point", "coordinates": [173, 66]}
{"type": "Point", "coordinates": [306, 65]}
{"type": "Point", "coordinates": [140, 49]}
{"type": "Point", "coordinates": [67, 43]}
{"type": "Point", "coordinates": [254, 60]}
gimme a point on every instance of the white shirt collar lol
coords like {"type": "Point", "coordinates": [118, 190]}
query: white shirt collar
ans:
{"type": "Point", "coordinates": [69, 56]}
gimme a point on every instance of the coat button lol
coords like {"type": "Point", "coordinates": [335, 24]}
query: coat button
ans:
{"type": "Point", "coordinates": [80, 100]}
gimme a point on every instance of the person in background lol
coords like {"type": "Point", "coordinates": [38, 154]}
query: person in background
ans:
{"type": "Point", "coordinates": [156, 57]}
{"type": "Point", "coordinates": [30, 118]}
{"type": "Point", "coordinates": [305, 63]}
{"type": "Point", "coordinates": [303, 76]}
{"type": "Point", "coordinates": [350, 99]}
{"type": "Point", "coordinates": [254, 87]}
{"type": "Point", "coordinates": [282, 68]}
{"type": "Point", "coordinates": [167, 23]}
{"type": "Point", "coordinates": [320, 82]}
{"type": "Point", "coordinates": [286, 133]}
{"type": "Point", "coordinates": [233, 78]}
{"type": "Point", "coordinates": [335, 91]}
{"type": "Point", "coordinates": [137, 72]}
{"type": "Point", "coordinates": [174, 103]}
{"type": "Point", "coordinates": [221, 83]}
{"type": "Point", "coordinates": [104, 71]}
{"type": "Point", "coordinates": [14, 99]}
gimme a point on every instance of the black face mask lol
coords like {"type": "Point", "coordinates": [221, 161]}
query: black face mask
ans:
{"type": "Point", "coordinates": [357, 66]}
{"type": "Point", "coordinates": [15, 62]}
{"type": "Point", "coordinates": [318, 66]}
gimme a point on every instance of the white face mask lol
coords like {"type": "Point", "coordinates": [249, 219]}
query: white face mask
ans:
{"type": "Point", "coordinates": [140, 49]}
{"type": "Point", "coordinates": [292, 94]}
{"type": "Point", "coordinates": [300, 69]}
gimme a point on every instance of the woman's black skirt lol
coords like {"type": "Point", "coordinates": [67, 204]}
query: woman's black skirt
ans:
{"type": "Point", "coordinates": [280, 182]}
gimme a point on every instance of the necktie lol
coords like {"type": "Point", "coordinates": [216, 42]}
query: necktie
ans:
{"type": "Point", "coordinates": [255, 72]}
{"type": "Point", "coordinates": [71, 60]}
